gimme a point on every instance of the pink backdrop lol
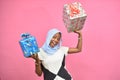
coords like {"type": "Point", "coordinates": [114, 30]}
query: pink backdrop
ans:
{"type": "Point", "coordinates": [100, 56]}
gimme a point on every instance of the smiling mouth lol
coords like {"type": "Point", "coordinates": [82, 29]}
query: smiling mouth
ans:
{"type": "Point", "coordinates": [54, 43]}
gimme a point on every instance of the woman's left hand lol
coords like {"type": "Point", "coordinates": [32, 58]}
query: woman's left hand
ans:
{"type": "Point", "coordinates": [78, 32]}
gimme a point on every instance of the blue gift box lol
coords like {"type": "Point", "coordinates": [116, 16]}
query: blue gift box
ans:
{"type": "Point", "coordinates": [28, 44]}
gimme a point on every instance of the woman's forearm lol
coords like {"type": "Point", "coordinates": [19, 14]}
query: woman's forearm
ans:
{"type": "Point", "coordinates": [78, 48]}
{"type": "Point", "coordinates": [38, 68]}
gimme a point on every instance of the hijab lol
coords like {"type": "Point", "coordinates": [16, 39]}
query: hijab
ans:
{"type": "Point", "coordinates": [46, 47]}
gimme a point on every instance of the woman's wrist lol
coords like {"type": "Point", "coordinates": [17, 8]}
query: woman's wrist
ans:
{"type": "Point", "coordinates": [79, 38]}
{"type": "Point", "coordinates": [79, 35]}
{"type": "Point", "coordinates": [37, 62]}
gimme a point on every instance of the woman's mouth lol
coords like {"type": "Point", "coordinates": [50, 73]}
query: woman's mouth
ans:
{"type": "Point", "coordinates": [54, 43]}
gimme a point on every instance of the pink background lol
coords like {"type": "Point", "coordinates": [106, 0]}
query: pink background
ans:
{"type": "Point", "coordinates": [100, 56]}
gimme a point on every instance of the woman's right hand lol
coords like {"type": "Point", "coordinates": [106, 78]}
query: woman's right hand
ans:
{"type": "Point", "coordinates": [35, 56]}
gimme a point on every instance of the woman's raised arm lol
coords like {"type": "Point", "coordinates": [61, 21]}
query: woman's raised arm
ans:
{"type": "Point", "coordinates": [78, 48]}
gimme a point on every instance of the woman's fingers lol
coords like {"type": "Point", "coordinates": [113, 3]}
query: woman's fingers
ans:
{"type": "Point", "coordinates": [34, 56]}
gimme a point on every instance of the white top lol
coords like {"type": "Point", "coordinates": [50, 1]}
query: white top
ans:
{"type": "Point", "coordinates": [53, 62]}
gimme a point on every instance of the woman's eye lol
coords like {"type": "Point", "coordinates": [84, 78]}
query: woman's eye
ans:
{"type": "Point", "coordinates": [54, 37]}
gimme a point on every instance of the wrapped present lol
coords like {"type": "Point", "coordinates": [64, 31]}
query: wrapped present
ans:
{"type": "Point", "coordinates": [74, 16]}
{"type": "Point", "coordinates": [28, 44]}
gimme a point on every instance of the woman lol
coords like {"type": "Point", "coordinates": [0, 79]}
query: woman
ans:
{"type": "Point", "coordinates": [51, 58]}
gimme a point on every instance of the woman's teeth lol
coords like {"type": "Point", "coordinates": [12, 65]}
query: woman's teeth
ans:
{"type": "Point", "coordinates": [54, 43]}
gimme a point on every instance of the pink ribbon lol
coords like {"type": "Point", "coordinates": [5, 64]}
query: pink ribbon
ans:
{"type": "Point", "coordinates": [74, 9]}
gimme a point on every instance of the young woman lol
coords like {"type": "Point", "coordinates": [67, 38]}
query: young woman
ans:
{"type": "Point", "coordinates": [51, 59]}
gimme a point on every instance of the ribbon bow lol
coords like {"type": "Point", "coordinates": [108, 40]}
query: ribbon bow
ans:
{"type": "Point", "coordinates": [25, 35]}
{"type": "Point", "coordinates": [74, 9]}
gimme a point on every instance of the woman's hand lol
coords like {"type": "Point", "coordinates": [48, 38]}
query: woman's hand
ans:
{"type": "Point", "coordinates": [35, 57]}
{"type": "Point", "coordinates": [78, 32]}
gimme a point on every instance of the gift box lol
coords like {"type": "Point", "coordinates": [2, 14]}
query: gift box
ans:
{"type": "Point", "coordinates": [28, 44]}
{"type": "Point", "coordinates": [74, 16]}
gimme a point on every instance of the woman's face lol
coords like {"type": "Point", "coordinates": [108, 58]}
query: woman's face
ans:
{"type": "Point", "coordinates": [55, 40]}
